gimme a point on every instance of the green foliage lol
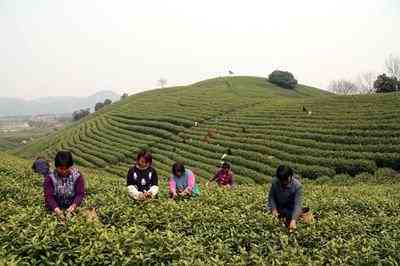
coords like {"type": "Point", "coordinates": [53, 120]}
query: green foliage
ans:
{"type": "Point", "coordinates": [356, 224]}
{"type": "Point", "coordinates": [107, 102]}
{"type": "Point", "coordinates": [384, 84]}
{"type": "Point", "coordinates": [79, 114]}
{"type": "Point", "coordinates": [261, 125]}
{"type": "Point", "coordinates": [283, 79]}
{"type": "Point", "coordinates": [98, 106]}
{"type": "Point", "coordinates": [12, 140]}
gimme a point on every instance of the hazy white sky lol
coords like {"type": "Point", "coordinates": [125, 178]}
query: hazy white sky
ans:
{"type": "Point", "coordinates": [71, 47]}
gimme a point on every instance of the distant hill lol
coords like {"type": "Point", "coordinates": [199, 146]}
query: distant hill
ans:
{"type": "Point", "coordinates": [52, 105]}
{"type": "Point", "coordinates": [255, 123]}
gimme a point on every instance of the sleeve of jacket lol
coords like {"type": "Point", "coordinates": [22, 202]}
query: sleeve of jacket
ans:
{"type": "Point", "coordinates": [129, 178]}
{"type": "Point", "coordinates": [298, 202]}
{"type": "Point", "coordinates": [191, 181]}
{"type": "Point", "coordinates": [49, 199]}
{"type": "Point", "coordinates": [232, 180]}
{"type": "Point", "coordinates": [134, 193]}
{"type": "Point", "coordinates": [79, 190]}
{"type": "Point", "coordinates": [154, 178]}
{"type": "Point", "coordinates": [172, 185]}
{"type": "Point", "coordinates": [271, 202]}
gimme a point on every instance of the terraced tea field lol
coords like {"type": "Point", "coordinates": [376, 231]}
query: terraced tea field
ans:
{"type": "Point", "coordinates": [257, 124]}
{"type": "Point", "coordinates": [357, 224]}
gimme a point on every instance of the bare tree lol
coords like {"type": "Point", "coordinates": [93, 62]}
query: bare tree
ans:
{"type": "Point", "coordinates": [365, 82]}
{"type": "Point", "coordinates": [392, 65]}
{"type": "Point", "coordinates": [162, 82]}
{"type": "Point", "coordinates": [343, 86]}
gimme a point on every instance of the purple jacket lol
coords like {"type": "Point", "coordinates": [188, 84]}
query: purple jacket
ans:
{"type": "Point", "coordinates": [224, 178]}
{"type": "Point", "coordinates": [62, 192]}
{"type": "Point", "coordinates": [41, 167]}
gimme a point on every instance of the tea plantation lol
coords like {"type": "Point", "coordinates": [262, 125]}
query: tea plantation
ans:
{"type": "Point", "coordinates": [345, 148]}
{"type": "Point", "coordinates": [357, 222]}
{"type": "Point", "coordinates": [257, 124]}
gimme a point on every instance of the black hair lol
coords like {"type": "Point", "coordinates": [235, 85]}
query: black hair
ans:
{"type": "Point", "coordinates": [283, 172]}
{"type": "Point", "coordinates": [63, 158]}
{"type": "Point", "coordinates": [178, 167]}
{"type": "Point", "coordinates": [146, 156]}
{"type": "Point", "coordinates": [226, 165]}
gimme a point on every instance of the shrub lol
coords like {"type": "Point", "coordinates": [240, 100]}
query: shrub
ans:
{"type": "Point", "coordinates": [341, 178]}
{"type": "Point", "coordinates": [355, 167]}
{"type": "Point", "coordinates": [386, 84]}
{"type": "Point", "coordinates": [386, 172]}
{"type": "Point", "coordinates": [283, 79]}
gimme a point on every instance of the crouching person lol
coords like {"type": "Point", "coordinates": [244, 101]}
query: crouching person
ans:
{"type": "Point", "coordinates": [224, 176]}
{"type": "Point", "coordinates": [64, 188]}
{"type": "Point", "coordinates": [142, 178]}
{"type": "Point", "coordinates": [182, 182]}
{"type": "Point", "coordinates": [285, 198]}
{"type": "Point", "coordinates": [41, 166]}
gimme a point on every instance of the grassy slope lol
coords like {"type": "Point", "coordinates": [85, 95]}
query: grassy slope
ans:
{"type": "Point", "coordinates": [357, 223]}
{"type": "Point", "coordinates": [260, 124]}
{"type": "Point", "coordinates": [13, 140]}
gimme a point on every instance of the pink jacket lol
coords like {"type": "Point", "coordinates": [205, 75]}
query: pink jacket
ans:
{"type": "Point", "coordinates": [191, 182]}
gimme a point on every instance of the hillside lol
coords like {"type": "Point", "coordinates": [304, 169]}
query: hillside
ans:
{"type": "Point", "coordinates": [357, 224]}
{"type": "Point", "coordinates": [52, 105]}
{"type": "Point", "coordinates": [257, 124]}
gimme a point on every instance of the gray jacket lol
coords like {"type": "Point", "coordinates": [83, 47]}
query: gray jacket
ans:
{"type": "Point", "coordinates": [287, 200]}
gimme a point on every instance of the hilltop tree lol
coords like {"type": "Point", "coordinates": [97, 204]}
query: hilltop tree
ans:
{"type": "Point", "coordinates": [392, 66]}
{"type": "Point", "coordinates": [365, 82]}
{"type": "Point", "coordinates": [124, 96]}
{"type": "Point", "coordinates": [98, 106]}
{"type": "Point", "coordinates": [386, 84]}
{"type": "Point", "coordinates": [283, 79]}
{"type": "Point", "coordinates": [79, 114]}
{"type": "Point", "coordinates": [343, 86]}
{"type": "Point", "coordinates": [162, 82]}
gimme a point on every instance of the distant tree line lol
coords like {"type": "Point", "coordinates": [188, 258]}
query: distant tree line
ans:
{"type": "Point", "coordinates": [100, 105]}
{"type": "Point", "coordinates": [79, 114]}
{"type": "Point", "coordinates": [370, 82]}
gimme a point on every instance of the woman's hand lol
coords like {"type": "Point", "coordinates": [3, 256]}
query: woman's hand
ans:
{"type": "Point", "coordinates": [292, 225]}
{"type": "Point", "coordinates": [71, 209]}
{"type": "Point", "coordinates": [59, 213]}
{"type": "Point", "coordinates": [147, 195]}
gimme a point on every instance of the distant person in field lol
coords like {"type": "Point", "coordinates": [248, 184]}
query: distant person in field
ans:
{"type": "Point", "coordinates": [142, 179]}
{"type": "Point", "coordinates": [285, 198]}
{"type": "Point", "coordinates": [41, 166]}
{"type": "Point", "coordinates": [182, 182]}
{"type": "Point", "coordinates": [224, 176]}
{"type": "Point", "coordinates": [64, 188]}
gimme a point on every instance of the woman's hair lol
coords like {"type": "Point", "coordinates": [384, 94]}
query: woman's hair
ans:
{"type": "Point", "coordinates": [178, 167]}
{"type": "Point", "coordinates": [283, 172]}
{"type": "Point", "coordinates": [146, 156]}
{"type": "Point", "coordinates": [226, 165]}
{"type": "Point", "coordinates": [63, 158]}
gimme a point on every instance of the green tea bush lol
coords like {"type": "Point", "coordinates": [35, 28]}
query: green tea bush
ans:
{"type": "Point", "coordinates": [356, 224]}
{"type": "Point", "coordinates": [387, 172]}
